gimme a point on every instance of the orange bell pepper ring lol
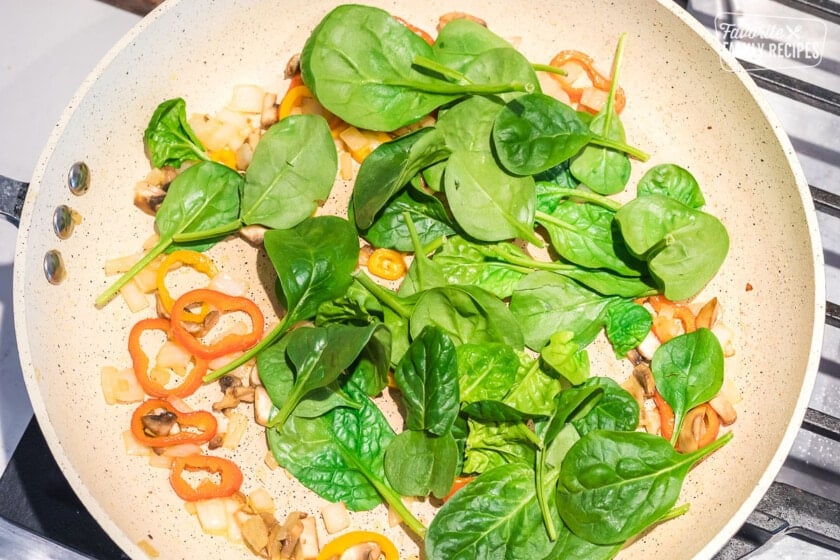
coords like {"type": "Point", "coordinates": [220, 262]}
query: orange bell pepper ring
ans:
{"type": "Point", "coordinates": [229, 477]}
{"type": "Point", "coordinates": [387, 264]}
{"type": "Point", "coordinates": [193, 427]}
{"type": "Point", "coordinates": [199, 261]}
{"type": "Point", "coordinates": [140, 362]}
{"type": "Point", "coordinates": [599, 81]}
{"type": "Point", "coordinates": [224, 303]}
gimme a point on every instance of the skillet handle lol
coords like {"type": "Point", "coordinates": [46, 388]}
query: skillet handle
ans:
{"type": "Point", "coordinates": [139, 7]}
{"type": "Point", "coordinates": [12, 195]}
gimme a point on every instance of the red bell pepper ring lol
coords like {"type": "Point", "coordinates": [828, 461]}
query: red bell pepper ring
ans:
{"type": "Point", "coordinates": [229, 477]}
{"type": "Point", "coordinates": [196, 427]}
{"type": "Point", "coordinates": [140, 362]}
{"type": "Point", "coordinates": [229, 343]}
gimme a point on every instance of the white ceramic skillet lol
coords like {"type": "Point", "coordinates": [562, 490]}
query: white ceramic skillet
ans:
{"type": "Point", "coordinates": [688, 104]}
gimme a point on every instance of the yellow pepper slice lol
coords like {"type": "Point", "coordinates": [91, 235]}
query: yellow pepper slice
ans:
{"type": "Point", "coordinates": [292, 99]}
{"type": "Point", "coordinates": [338, 545]}
{"type": "Point", "coordinates": [199, 262]}
{"type": "Point", "coordinates": [387, 264]}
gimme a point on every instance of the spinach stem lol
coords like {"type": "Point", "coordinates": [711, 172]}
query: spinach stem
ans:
{"type": "Point", "coordinates": [384, 295]}
{"type": "Point", "coordinates": [108, 294]}
{"type": "Point", "coordinates": [605, 142]}
{"type": "Point", "coordinates": [446, 88]}
{"type": "Point", "coordinates": [529, 435]}
{"type": "Point", "coordinates": [548, 68]}
{"type": "Point", "coordinates": [589, 196]}
{"type": "Point", "coordinates": [675, 512]}
{"type": "Point", "coordinates": [550, 527]}
{"type": "Point", "coordinates": [218, 231]}
{"type": "Point", "coordinates": [267, 340]}
{"type": "Point", "coordinates": [427, 63]}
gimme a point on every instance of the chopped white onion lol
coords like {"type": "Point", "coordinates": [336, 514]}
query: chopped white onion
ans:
{"type": "Point", "coordinates": [247, 98]}
{"type": "Point", "coordinates": [336, 517]}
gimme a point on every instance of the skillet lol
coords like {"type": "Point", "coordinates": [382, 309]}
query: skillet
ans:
{"type": "Point", "coordinates": [689, 103]}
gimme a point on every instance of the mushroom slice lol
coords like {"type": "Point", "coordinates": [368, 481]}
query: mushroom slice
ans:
{"type": "Point", "coordinates": [292, 67]}
{"type": "Point", "coordinates": [160, 424]}
{"type": "Point", "coordinates": [644, 376]}
{"type": "Point", "coordinates": [148, 197]}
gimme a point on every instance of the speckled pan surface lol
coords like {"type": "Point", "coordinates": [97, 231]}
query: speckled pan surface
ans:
{"type": "Point", "coordinates": [685, 106]}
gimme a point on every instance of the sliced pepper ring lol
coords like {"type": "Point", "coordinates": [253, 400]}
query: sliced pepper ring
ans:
{"type": "Point", "coordinates": [224, 303]}
{"type": "Point", "coordinates": [198, 261]}
{"type": "Point", "coordinates": [599, 81]}
{"type": "Point", "coordinates": [203, 424]}
{"type": "Point", "coordinates": [140, 362]}
{"type": "Point", "coordinates": [229, 482]}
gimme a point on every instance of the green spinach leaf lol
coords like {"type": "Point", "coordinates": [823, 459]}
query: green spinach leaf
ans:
{"type": "Point", "coordinates": [566, 357]}
{"type": "Point", "coordinates": [627, 325]}
{"type": "Point", "coordinates": [169, 137]}
{"type": "Point", "coordinates": [291, 173]}
{"type": "Point", "coordinates": [688, 371]}
{"type": "Point", "coordinates": [674, 181]}
{"type": "Point", "coordinates": [418, 463]}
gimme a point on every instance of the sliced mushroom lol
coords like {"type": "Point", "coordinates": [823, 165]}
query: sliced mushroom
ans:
{"type": "Point", "coordinates": [283, 539]}
{"type": "Point", "coordinates": [262, 405]}
{"type": "Point", "coordinates": [644, 376]}
{"type": "Point", "coordinates": [148, 197]}
{"type": "Point", "coordinates": [451, 16]}
{"type": "Point", "coordinates": [724, 408]}
{"type": "Point", "coordinates": [253, 234]}
{"type": "Point", "coordinates": [308, 547]}
{"type": "Point", "coordinates": [201, 329]}
{"type": "Point", "coordinates": [161, 424]}
{"type": "Point", "coordinates": [362, 551]}
{"type": "Point", "coordinates": [292, 67]}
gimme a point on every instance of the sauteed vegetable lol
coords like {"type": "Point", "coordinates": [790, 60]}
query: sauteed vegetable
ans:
{"type": "Point", "coordinates": [499, 197]}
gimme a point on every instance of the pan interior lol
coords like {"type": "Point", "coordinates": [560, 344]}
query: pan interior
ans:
{"type": "Point", "coordinates": [685, 106]}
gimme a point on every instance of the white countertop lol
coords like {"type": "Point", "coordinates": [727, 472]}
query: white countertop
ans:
{"type": "Point", "coordinates": [47, 48]}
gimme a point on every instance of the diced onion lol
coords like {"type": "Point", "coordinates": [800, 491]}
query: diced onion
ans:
{"type": "Point", "coordinates": [120, 386]}
{"type": "Point", "coordinates": [227, 284]}
{"type": "Point", "coordinates": [260, 501]}
{"type": "Point", "coordinates": [174, 357]}
{"type": "Point", "coordinates": [212, 515]}
{"type": "Point", "coordinates": [134, 297]}
{"type": "Point", "coordinates": [336, 517]}
{"type": "Point", "coordinates": [308, 543]}
{"type": "Point", "coordinates": [237, 425]}
{"type": "Point", "coordinates": [134, 447]}
{"type": "Point", "coordinates": [247, 98]}
{"type": "Point", "coordinates": [593, 98]}
{"type": "Point", "coordinates": [182, 450]}
{"type": "Point", "coordinates": [119, 265]}
{"type": "Point", "coordinates": [160, 461]}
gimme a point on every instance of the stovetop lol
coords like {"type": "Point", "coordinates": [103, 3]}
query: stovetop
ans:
{"type": "Point", "coordinates": [48, 46]}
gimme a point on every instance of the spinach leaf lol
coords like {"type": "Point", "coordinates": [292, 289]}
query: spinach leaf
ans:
{"type": "Point", "coordinates": [688, 371]}
{"type": "Point", "coordinates": [566, 357]}
{"type": "Point", "coordinates": [427, 376]}
{"type": "Point", "coordinates": [201, 198]}
{"type": "Point", "coordinates": [614, 485]}
{"type": "Point", "coordinates": [616, 410]}
{"type": "Point", "coordinates": [585, 234]}
{"type": "Point", "coordinates": [169, 137]}
{"type": "Point", "coordinates": [340, 456]}
{"type": "Point", "coordinates": [605, 170]}
{"type": "Point", "coordinates": [533, 390]}
{"type": "Point", "coordinates": [461, 41]}
{"type": "Point", "coordinates": [292, 172]}
{"type": "Point", "coordinates": [535, 132]}
{"type": "Point", "coordinates": [502, 64]}
{"type": "Point", "coordinates": [468, 124]}
{"type": "Point", "coordinates": [390, 167]}
{"type": "Point", "coordinates": [428, 214]}
{"type": "Point", "coordinates": [683, 247]}
{"type": "Point", "coordinates": [488, 203]}
{"type": "Point", "coordinates": [467, 314]}
{"type": "Point", "coordinates": [423, 274]}
{"type": "Point", "coordinates": [491, 444]}
{"type": "Point", "coordinates": [370, 371]}
{"type": "Point", "coordinates": [319, 356]}
{"type": "Point", "coordinates": [465, 263]}
{"type": "Point", "coordinates": [357, 307]}
{"type": "Point", "coordinates": [314, 262]}
{"type": "Point", "coordinates": [674, 181]}
{"type": "Point", "coordinates": [627, 325]}
{"type": "Point", "coordinates": [418, 463]}
{"type": "Point", "coordinates": [277, 374]}
{"type": "Point", "coordinates": [495, 411]}
{"type": "Point", "coordinates": [485, 371]}
{"type": "Point", "coordinates": [544, 303]}
{"type": "Point", "coordinates": [503, 519]}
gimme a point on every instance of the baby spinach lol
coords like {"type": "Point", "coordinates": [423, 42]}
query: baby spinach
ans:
{"type": "Point", "coordinates": [428, 214]}
{"type": "Point", "coordinates": [488, 203]}
{"type": "Point", "coordinates": [460, 41]}
{"type": "Point", "coordinates": [485, 371]}
{"type": "Point", "coordinates": [544, 303]}
{"type": "Point", "coordinates": [201, 198]}
{"type": "Point", "coordinates": [390, 167]}
{"type": "Point", "coordinates": [616, 410]}
{"type": "Point", "coordinates": [672, 180]}
{"type": "Point", "coordinates": [169, 137]}
{"type": "Point", "coordinates": [427, 376]}
{"type": "Point", "coordinates": [533, 391]}
{"type": "Point", "coordinates": [585, 234]}
{"type": "Point", "coordinates": [683, 247]}
{"type": "Point", "coordinates": [291, 173]}
{"type": "Point", "coordinates": [535, 132]}
{"type": "Point", "coordinates": [319, 355]}
{"type": "Point", "coordinates": [418, 463]}
{"type": "Point", "coordinates": [688, 370]}
{"type": "Point", "coordinates": [467, 314]}
{"type": "Point", "coordinates": [314, 262]}
{"type": "Point", "coordinates": [627, 325]}
{"type": "Point", "coordinates": [605, 170]}
{"type": "Point", "coordinates": [614, 485]}
{"type": "Point", "coordinates": [360, 63]}
{"type": "Point", "coordinates": [340, 456]}
{"type": "Point", "coordinates": [566, 357]}
{"type": "Point", "coordinates": [491, 444]}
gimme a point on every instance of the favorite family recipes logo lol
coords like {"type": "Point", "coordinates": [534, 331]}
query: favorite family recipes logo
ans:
{"type": "Point", "coordinates": [774, 42]}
